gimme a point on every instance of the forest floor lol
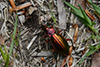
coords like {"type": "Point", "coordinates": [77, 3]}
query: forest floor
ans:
{"type": "Point", "coordinates": [22, 41]}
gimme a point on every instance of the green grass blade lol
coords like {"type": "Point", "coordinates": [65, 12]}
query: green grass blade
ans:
{"type": "Point", "coordinates": [85, 20]}
{"type": "Point", "coordinates": [85, 16]}
{"type": "Point", "coordinates": [15, 40]}
{"type": "Point", "coordinates": [98, 14]}
{"type": "Point", "coordinates": [77, 11]}
{"type": "Point", "coordinates": [80, 14]}
{"type": "Point", "coordinates": [81, 18]}
{"type": "Point", "coordinates": [19, 34]}
{"type": "Point", "coordinates": [96, 37]}
{"type": "Point", "coordinates": [82, 60]}
{"type": "Point", "coordinates": [2, 53]}
{"type": "Point", "coordinates": [93, 23]}
{"type": "Point", "coordinates": [53, 17]}
{"type": "Point", "coordinates": [12, 44]}
{"type": "Point", "coordinates": [98, 46]}
{"type": "Point", "coordinates": [95, 6]}
{"type": "Point", "coordinates": [91, 47]}
{"type": "Point", "coordinates": [95, 31]}
{"type": "Point", "coordinates": [90, 52]}
{"type": "Point", "coordinates": [90, 1]}
{"type": "Point", "coordinates": [87, 54]}
{"type": "Point", "coordinates": [7, 61]}
{"type": "Point", "coordinates": [5, 51]}
{"type": "Point", "coordinates": [4, 47]}
{"type": "Point", "coordinates": [1, 61]}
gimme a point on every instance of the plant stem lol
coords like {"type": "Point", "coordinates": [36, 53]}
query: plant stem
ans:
{"type": "Point", "coordinates": [12, 43]}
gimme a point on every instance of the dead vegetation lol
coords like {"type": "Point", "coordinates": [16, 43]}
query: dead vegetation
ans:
{"type": "Point", "coordinates": [30, 49]}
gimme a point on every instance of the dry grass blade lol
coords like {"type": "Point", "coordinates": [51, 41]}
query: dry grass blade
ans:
{"type": "Point", "coordinates": [33, 39]}
{"type": "Point", "coordinates": [76, 32]}
{"type": "Point", "coordinates": [89, 14]}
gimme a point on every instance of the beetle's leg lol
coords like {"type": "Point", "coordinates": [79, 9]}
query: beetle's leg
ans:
{"type": "Point", "coordinates": [65, 61]}
{"type": "Point", "coordinates": [45, 36]}
{"type": "Point", "coordinates": [51, 27]}
{"type": "Point", "coordinates": [70, 50]}
{"type": "Point", "coordinates": [70, 40]}
{"type": "Point", "coordinates": [70, 61]}
{"type": "Point", "coordinates": [47, 41]}
{"type": "Point", "coordinates": [59, 31]}
{"type": "Point", "coordinates": [53, 50]}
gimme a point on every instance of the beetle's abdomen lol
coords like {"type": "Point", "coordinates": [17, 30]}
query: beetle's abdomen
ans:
{"type": "Point", "coordinates": [60, 44]}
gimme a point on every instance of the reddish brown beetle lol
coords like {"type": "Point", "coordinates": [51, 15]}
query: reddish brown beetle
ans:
{"type": "Point", "coordinates": [59, 43]}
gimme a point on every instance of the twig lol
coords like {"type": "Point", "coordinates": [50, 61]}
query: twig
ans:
{"type": "Point", "coordinates": [20, 7]}
{"type": "Point", "coordinates": [12, 3]}
{"type": "Point", "coordinates": [29, 45]}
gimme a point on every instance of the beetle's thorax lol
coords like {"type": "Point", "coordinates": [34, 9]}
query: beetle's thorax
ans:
{"type": "Point", "coordinates": [50, 31]}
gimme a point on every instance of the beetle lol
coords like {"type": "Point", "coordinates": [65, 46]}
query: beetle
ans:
{"type": "Point", "coordinates": [59, 43]}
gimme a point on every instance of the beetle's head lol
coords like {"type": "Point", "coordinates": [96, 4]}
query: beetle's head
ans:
{"type": "Point", "coordinates": [48, 31]}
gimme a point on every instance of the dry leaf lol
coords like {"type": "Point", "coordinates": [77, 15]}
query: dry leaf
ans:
{"type": "Point", "coordinates": [2, 41]}
{"type": "Point", "coordinates": [96, 60]}
{"type": "Point", "coordinates": [89, 14]}
{"type": "Point", "coordinates": [76, 32]}
{"type": "Point", "coordinates": [81, 2]}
